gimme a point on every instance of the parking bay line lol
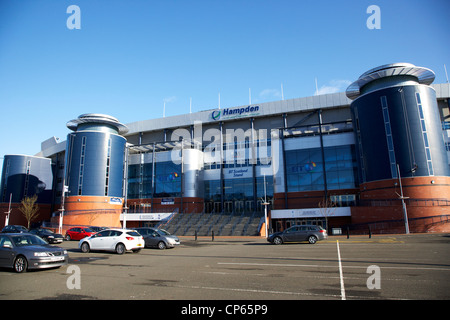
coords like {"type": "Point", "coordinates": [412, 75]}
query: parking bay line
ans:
{"type": "Point", "coordinates": [325, 266]}
{"type": "Point", "coordinates": [341, 276]}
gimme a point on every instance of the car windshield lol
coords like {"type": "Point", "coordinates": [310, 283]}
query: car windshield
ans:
{"type": "Point", "coordinates": [88, 230]}
{"type": "Point", "coordinates": [27, 240]}
{"type": "Point", "coordinates": [164, 232]}
{"type": "Point", "coordinates": [46, 231]}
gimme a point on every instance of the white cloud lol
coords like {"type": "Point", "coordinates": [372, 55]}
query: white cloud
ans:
{"type": "Point", "coordinates": [270, 93]}
{"type": "Point", "coordinates": [333, 86]}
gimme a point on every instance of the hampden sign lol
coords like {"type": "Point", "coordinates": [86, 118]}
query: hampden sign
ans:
{"type": "Point", "coordinates": [234, 113]}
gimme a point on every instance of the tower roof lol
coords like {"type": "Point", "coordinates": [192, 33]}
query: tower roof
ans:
{"type": "Point", "coordinates": [99, 119]}
{"type": "Point", "coordinates": [423, 75]}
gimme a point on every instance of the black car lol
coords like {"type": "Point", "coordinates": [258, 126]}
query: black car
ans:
{"type": "Point", "coordinates": [14, 229]}
{"type": "Point", "coordinates": [48, 235]}
{"type": "Point", "coordinates": [310, 233]}
{"type": "Point", "coordinates": [97, 229]}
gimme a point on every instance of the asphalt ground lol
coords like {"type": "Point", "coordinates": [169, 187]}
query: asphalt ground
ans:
{"type": "Point", "coordinates": [388, 267]}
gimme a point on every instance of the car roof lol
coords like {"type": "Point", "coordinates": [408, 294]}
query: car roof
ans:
{"type": "Point", "coordinates": [304, 225]}
{"type": "Point", "coordinates": [78, 227]}
{"type": "Point", "coordinates": [119, 229]}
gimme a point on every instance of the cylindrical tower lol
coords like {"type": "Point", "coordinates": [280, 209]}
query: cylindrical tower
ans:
{"type": "Point", "coordinates": [94, 171]}
{"type": "Point", "coordinates": [26, 176]}
{"type": "Point", "coordinates": [398, 133]}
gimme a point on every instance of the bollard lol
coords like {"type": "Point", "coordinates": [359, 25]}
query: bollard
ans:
{"type": "Point", "coordinates": [195, 235]}
{"type": "Point", "coordinates": [212, 235]}
{"type": "Point", "coordinates": [348, 233]}
{"type": "Point", "coordinates": [370, 233]}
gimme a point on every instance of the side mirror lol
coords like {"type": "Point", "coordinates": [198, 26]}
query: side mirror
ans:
{"type": "Point", "coordinates": [7, 245]}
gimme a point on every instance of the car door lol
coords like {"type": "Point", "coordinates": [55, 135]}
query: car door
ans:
{"type": "Point", "coordinates": [98, 242]}
{"type": "Point", "coordinates": [74, 233]}
{"type": "Point", "coordinates": [112, 239]}
{"type": "Point", "coordinates": [6, 251]}
{"type": "Point", "coordinates": [302, 233]}
{"type": "Point", "coordinates": [152, 238]}
{"type": "Point", "coordinates": [290, 234]}
{"type": "Point", "coordinates": [83, 234]}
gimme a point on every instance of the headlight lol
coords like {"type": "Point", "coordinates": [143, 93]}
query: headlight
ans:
{"type": "Point", "coordinates": [40, 254]}
{"type": "Point", "coordinates": [65, 251]}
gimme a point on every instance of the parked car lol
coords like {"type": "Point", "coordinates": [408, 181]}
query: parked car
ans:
{"type": "Point", "coordinates": [14, 229]}
{"type": "Point", "coordinates": [97, 229]}
{"type": "Point", "coordinates": [158, 238]}
{"type": "Point", "coordinates": [23, 251]}
{"type": "Point", "coordinates": [48, 235]}
{"type": "Point", "coordinates": [310, 233]}
{"type": "Point", "coordinates": [118, 240]}
{"type": "Point", "coordinates": [78, 233]}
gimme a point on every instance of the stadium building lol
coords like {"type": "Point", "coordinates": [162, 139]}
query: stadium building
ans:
{"type": "Point", "coordinates": [376, 156]}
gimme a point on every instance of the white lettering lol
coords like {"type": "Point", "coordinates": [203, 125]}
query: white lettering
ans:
{"type": "Point", "coordinates": [374, 281]}
{"type": "Point", "coordinates": [74, 281]}
{"type": "Point", "coordinates": [74, 21]}
{"type": "Point", "coordinates": [374, 21]}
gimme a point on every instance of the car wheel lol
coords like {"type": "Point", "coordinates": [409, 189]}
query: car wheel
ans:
{"type": "Point", "coordinates": [161, 245]}
{"type": "Point", "coordinates": [277, 240]}
{"type": "Point", "coordinates": [120, 248]}
{"type": "Point", "coordinates": [68, 238]}
{"type": "Point", "coordinates": [20, 264]}
{"type": "Point", "coordinates": [312, 239]}
{"type": "Point", "coordinates": [85, 247]}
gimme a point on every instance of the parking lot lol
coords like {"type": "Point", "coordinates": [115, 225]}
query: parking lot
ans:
{"type": "Point", "coordinates": [382, 267]}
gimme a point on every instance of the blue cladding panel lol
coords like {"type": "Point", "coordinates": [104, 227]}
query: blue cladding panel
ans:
{"type": "Point", "coordinates": [90, 155]}
{"type": "Point", "coordinates": [26, 176]}
{"type": "Point", "coordinates": [411, 149]}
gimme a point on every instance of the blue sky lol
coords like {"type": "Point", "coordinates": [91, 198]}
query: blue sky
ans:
{"type": "Point", "coordinates": [132, 55]}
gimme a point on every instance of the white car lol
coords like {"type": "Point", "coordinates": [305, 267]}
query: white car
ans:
{"type": "Point", "coordinates": [118, 240]}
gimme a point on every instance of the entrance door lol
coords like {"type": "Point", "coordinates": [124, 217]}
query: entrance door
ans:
{"type": "Point", "coordinates": [239, 206]}
{"type": "Point", "coordinates": [248, 206]}
{"type": "Point", "coordinates": [209, 206]}
{"type": "Point", "coordinates": [228, 206]}
{"type": "Point", "coordinates": [217, 207]}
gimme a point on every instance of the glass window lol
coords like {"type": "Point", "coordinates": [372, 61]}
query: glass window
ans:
{"type": "Point", "coordinates": [304, 168]}
{"type": "Point", "coordinates": [167, 179]}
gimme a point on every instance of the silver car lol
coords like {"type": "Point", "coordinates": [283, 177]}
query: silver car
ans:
{"type": "Point", "coordinates": [310, 233]}
{"type": "Point", "coordinates": [23, 251]}
{"type": "Point", "coordinates": [158, 238]}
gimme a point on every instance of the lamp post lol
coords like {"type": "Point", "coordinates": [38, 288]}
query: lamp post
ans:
{"type": "Point", "coordinates": [265, 204]}
{"type": "Point", "coordinates": [9, 211]}
{"type": "Point", "coordinates": [61, 210]}
{"type": "Point", "coordinates": [405, 213]}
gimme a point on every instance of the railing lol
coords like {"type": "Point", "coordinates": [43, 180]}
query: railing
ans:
{"type": "Point", "coordinates": [395, 226]}
{"type": "Point", "coordinates": [408, 202]}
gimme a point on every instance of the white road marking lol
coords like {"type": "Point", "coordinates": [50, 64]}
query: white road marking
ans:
{"type": "Point", "coordinates": [325, 266]}
{"type": "Point", "coordinates": [340, 272]}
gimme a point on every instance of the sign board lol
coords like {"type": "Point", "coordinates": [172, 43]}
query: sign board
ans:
{"type": "Point", "coordinates": [310, 213]}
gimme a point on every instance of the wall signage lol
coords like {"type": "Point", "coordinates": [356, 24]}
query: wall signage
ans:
{"type": "Point", "coordinates": [234, 113]}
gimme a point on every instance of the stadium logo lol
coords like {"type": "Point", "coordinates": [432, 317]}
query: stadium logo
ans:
{"type": "Point", "coordinates": [231, 113]}
{"type": "Point", "coordinates": [216, 115]}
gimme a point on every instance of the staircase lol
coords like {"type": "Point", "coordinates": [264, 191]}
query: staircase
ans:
{"type": "Point", "coordinates": [223, 224]}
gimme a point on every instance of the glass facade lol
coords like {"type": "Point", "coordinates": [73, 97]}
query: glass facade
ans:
{"type": "Point", "coordinates": [235, 184]}
{"type": "Point", "coordinates": [304, 169]}
{"type": "Point", "coordinates": [167, 179]}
